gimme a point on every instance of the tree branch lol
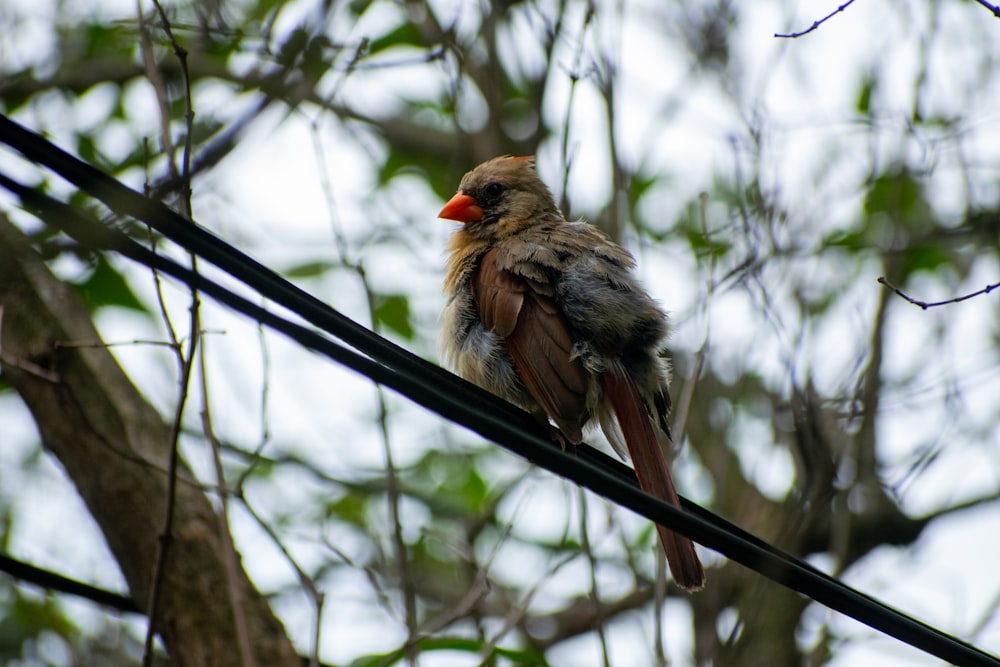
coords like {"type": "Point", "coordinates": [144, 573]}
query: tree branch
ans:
{"type": "Point", "coordinates": [816, 24]}
{"type": "Point", "coordinates": [103, 431]}
{"type": "Point", "coordinates": [924, 305]}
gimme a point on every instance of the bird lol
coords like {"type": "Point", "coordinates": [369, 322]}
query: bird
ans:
{"type": "Point", "coordinates": [548, 314]}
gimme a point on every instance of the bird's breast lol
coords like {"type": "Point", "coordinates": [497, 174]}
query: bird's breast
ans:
{"type": "Point", "coordinates": [475, 352]}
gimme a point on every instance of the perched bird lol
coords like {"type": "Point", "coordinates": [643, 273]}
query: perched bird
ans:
{"type": "Point", "coordinates": [546, 314]}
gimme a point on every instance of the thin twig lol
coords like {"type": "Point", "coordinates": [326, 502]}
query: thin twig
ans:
{"type": "Point", "coordinates": [185, 363]}
{"type": "Point", "coordinates": [660, 610]}
{"type": "Point", "coordinates": [256, 456]}
{"type": "Point", "coordinates": [393, 496]}
{"type": "Point", "coordinates": [476, 593]}
{"type": "Point", "coordinates": [924, 305]}
{"type": "Point", "coordinates": [574, 78]}
{"type": "Point", "coordinates": [306, 581]}
{"type": "Point", "coordinates": [175, 341]}
{"type": "Point", "coordinates": [518, 611]}
{"type": "Point", "coordinates": [78, 344]}
{"type": "Point", "coordinates": [182, 54]}
{"type": "Point", "coordinates": [682, 403]}
{"type": "Point", "coordinates": [478, 589]}
{"type": "Point", "coordinates": [232, 566]}
{"type": "Point", "coordinates": [793, 35]}
{"type": "Point", "coordinates": [166, 537]}
{"type": "Point", "coordinates": [605, 71]}
{"type": "Point", "coordinates": [155, 77]}
{"type": "Point", "coordinates": [595, 596]}
{"type": "Point", "coordinates": [341, 243]}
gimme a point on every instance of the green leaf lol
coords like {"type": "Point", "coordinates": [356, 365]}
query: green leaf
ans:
{"type": "Point", "coordinates": [313, 269]}
{"type": "Point", "coordinates": [457, 487]}
{"type": "Point", "coordinates": [638, 186]}
{"type": "Point", "coordinates": [350, 508]}
{"type": "Point", "coordinates": [704, 246]}
{"type": "Point", "coordinates": [106, 287]}
{"type": "Point", "coordinates": [86, 149]}
{"type": "Point", "coordinates": [25, 619]}
{"type": "Point", "coordinates": [406, 34]}
{"type": "Point", "coordinates": [393, 312]}
{"type": "Point", "coordinates": [865, 95]}
{"type": "Point", "coordinates": [435, 169]}
{"type": "Point", "coordinates": [378, 660]}
{"type": "Point", "coordinates": [115, 40]}
{"type": "Point", "coordinates": [261, 10]}
{"type": "Point", "coordinates": [924, 257]}
{"type": "Point", "coordinates": [292, 47]}
{"type": "Point", "coordinates": [853, 241]}
{"type": "Point", "coordinates": [316, 58]}
{"type": "Point", "coordinates": [898, 195]}
{"type": "Point", "coordinates": [359, 7]}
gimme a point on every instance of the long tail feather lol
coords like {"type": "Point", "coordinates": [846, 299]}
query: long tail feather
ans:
{"type": "Point", "coordinates": [651, 469]}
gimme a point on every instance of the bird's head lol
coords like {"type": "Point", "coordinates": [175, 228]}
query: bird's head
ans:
{"type": "Point", "coordinates": [501, 197]}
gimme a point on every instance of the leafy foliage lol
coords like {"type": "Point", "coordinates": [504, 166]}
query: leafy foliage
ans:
{"type": "Point", "coordinates": [105, 286]}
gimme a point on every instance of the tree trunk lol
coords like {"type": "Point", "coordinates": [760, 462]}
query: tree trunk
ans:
{"type": "Point", "coordinates": [115, 448]}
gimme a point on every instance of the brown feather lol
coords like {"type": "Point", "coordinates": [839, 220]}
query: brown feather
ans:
{"type": "Point", "coordinates": [499, 295]}
{"type": "Point", "coordinates": [538, 341]}
{"type": "Point", "coordinates": [652, 471]}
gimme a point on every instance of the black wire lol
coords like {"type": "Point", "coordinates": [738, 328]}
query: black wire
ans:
{"type": "Point", "coordinates": [442, 392]}
{"type": "Point", "coordinates": [53, 581]}
{"type": "Point", "coordinates": [128, 203]}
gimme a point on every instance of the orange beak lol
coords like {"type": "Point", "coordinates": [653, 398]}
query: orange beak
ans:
{"type": "Point", "coordinates": [461, 208]}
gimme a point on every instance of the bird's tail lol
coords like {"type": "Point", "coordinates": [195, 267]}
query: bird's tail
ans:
{"type": "Point", "coordinates": [652, 471]}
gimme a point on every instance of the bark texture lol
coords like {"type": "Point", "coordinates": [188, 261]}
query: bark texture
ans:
{"type": "Point", "coordinates": [115, 448]}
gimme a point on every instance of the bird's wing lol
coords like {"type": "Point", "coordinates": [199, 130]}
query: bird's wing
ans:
{"type": "Point", "coordinates": [537, 338]}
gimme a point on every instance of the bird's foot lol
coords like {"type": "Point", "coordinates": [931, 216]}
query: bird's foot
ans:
{"type": "Point", "coordinates": [560, 438]}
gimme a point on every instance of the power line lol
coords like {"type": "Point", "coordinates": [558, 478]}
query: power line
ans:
{"type": "Point", "coordinates": [54, 581]}
{"type": "Point", "coordinates": [438, 390]}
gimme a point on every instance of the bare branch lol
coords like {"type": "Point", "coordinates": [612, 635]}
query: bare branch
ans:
{"type": "Point", "coordinates": [99, 426]}
{"type": "Point", "coordinates": [185, 364]}
{"type": "Point", "coordinates": [924, 305]}
{"type": "Point", "coordinates": [182, 58]}
{"type": "Point", "coordinates": [231, 562]}
{"type": "Point", "coordinates": [166, 538]}
{"type": "Point", "coordinates": [816, 24]}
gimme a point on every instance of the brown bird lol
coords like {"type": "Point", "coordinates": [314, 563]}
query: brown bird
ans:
{"type": "Point", "coordinates": [546, 314]}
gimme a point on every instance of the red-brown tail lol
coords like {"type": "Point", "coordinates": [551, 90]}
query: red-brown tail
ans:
{"type": "Point", "coordinates": [654, 476]}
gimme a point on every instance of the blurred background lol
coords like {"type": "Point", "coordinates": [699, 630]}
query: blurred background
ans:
{"type": "Point", "coordinates": [764, 185]}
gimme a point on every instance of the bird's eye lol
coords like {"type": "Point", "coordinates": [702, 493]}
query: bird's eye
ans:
{"type": "Point", "coordinates": [492, 191]}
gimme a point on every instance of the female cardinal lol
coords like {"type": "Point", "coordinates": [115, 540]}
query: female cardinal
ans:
{"type": "Point", "coordinates": [546, 314]}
